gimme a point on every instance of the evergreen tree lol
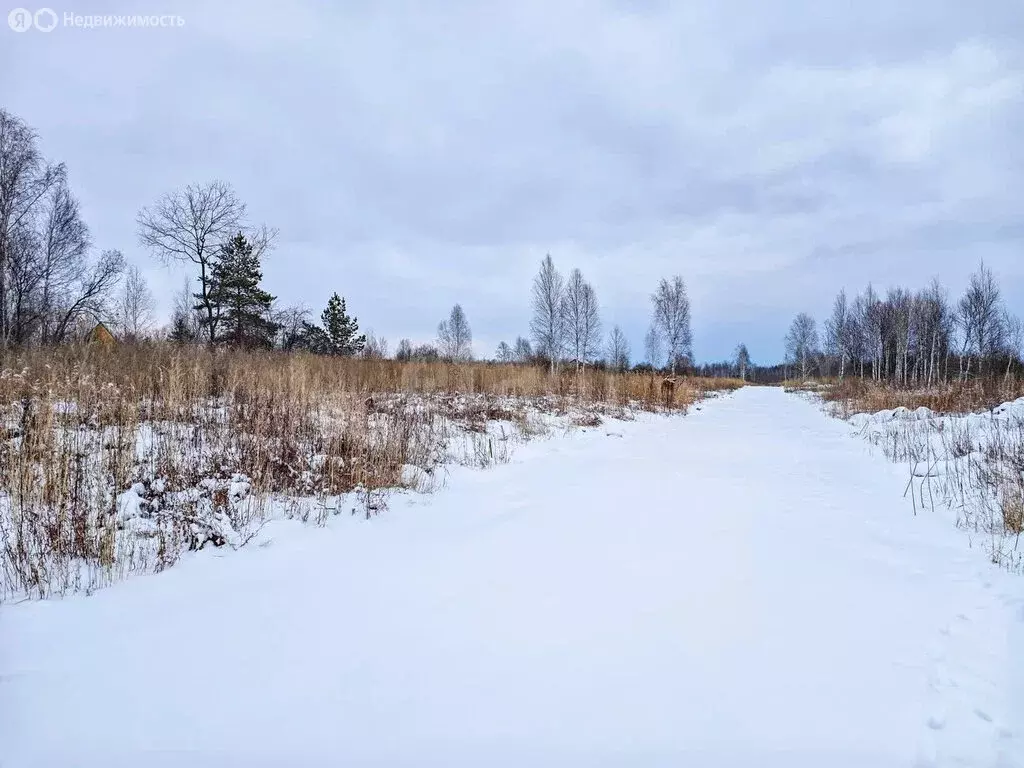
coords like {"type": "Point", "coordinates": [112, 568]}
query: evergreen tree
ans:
{"type": "Point", "coordinates": [185, 321]}
{"type": "Point", "coordinates": [340, 331]}
{"type": "Point", "coordinates": [182, 331]}
{"type": "Point", "coordinates": [314, 339]}
{"type": "Point", "coordinates": [243, 307]}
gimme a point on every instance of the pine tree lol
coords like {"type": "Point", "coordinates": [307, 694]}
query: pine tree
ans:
{"type": "Point", "coordinates": [341, 332]}
{"type": "Point", "coordinates": [182, 331]}
{"type": "Point", "coordinates": [243, 307]}
{"type": "Point", "coordinates": [315, 339]}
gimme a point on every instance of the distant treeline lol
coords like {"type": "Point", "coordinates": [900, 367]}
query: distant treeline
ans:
{"type": "Point", "coordinates": [54, 287]}
{"type": "Point", "coordinates": [910, 338]}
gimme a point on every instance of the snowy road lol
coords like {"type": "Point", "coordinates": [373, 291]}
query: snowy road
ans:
{"type": "Point", "coordinates": [744, 586]}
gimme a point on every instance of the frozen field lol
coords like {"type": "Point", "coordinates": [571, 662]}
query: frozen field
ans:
{"type": "Point", "coordinates": [746, 585]}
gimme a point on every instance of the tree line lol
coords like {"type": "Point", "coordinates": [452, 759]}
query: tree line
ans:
{"type": "Point", "coordinates": [566, 329]}
{"type": "Point", "coordinates": [911, 338]}
{"type": "Point", "coordinates": [52, 280]}
{"type": "Point", "coordinates": [54, 286]}
{"type": "Point", "coordinates": [205, 225]}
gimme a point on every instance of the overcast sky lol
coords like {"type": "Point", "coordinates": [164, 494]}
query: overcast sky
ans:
{"type": "Point", "coordinates": [769, 152]}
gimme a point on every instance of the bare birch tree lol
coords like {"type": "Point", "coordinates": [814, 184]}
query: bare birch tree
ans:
{"type": "Point", "coordinates": [873, 329]}
{"type": "Point", "coordinates": [653, 347]}
{"type": "Point", "coordinates": [455, 339]}
{"type": "Point", "coordinates": [135, 306]}
{"type": "Point", "coordinates": [1013, 340]}
{"type": "Point", "coordinates": [802, 342]}
{"type": "Point", "coordinates": [935, 331]}
{"type": "Point", "coordinates": [670, 320]}
{"type": "Point", "coordinates": [504, 353]}
{"type": "Point", "coordinates": [742, 357]}
{"type": "Point", "coordinates": [582, 320]}
{"type": "Point", "coordinates": [618, 350]}
{"type": "Point", "coordinates": [547, 324]}
{"type": "Point", "coordinates": [980, 314]}
{"type": "Point", "coordinates": [522, 351]}
{"type": "Point", "coordinates": [837, 332]}
{"type": "Point", "coordinates": [25, 180]}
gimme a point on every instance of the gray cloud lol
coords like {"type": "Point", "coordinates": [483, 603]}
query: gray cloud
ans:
{"type": "Point", "coordinates": [412, 158]}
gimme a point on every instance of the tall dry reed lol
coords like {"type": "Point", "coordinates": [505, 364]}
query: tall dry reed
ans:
{"type": "Point", "coordinates": [117, 459]}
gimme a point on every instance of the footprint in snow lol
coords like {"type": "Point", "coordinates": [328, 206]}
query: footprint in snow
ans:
{"type": "Point", "coordinates": [936, 723]}
{"type": "Point", "coordinates": [983, 715]}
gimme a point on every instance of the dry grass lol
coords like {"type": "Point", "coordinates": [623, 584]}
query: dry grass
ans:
{"type": "Point", "coordinates": [171, 375]}
{"type": "Point", "coordinates": [857, 396]}
{"type": "Point", "coordinates": [206, 440]}
{"type": "Point", "coordinates": [1011, 501]}
{"type": "Point", "coordinates": [967, 455]}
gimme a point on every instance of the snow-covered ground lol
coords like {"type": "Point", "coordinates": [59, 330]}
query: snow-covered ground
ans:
{"type": "Point", "coordinates": [742, 586]}
{"type": "Point", "coordinates": [971, 463]}
{"type": "Point", "coordinates": [144, 493]}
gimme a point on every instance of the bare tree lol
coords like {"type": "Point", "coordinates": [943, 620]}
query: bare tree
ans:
{"type": "Point", "coordinates": [548, 322]}
{"type": "Point", "coordinates": [935, 330]}
{"type": "Point", "coordinates": [980, 314]}
{"type": "Point", "coordinates": [653, 347]}
{"type": "Point", "coordinates": [618, 350]}
{"type": "Point", "coordinates": [404, 351]}
{"type": "Point", "coordinates": [742, 360]}
{"type": "Point", "coordinates": [522, 350]}
{"type": "Point", "coordinates": [504, 353]}
{"type": "Point", "coordinates": [454, 336]}
{"type": "Point", "coordinates": [135, 306]}
{"type": "Point", "coordinates": [871, 327]}
{"type": "Point", "coordinates": [1013, 339]}
{"type": "Point", "coordinates": [581, 317]}
{"type": "Point", "coordinates": [64, 242]}
{"type": "Point", "coordinates": [857, 333]}
{"type": "Point", "coordinates": [670, 320]}
{"type": "Point", "coordinates": [589, 323]}
{"type": "Point", "coordinates": [262, 240]}
{"type": "Point", "coordinates": [47, 285]}
{"type": "Point", "coordinates": [802, 342]}
{"type": "Point", "coordinates": [837, 332]}
{"type": "Point", "coordinates": [426, 353]}
{"type": "Point", "coordinates": [376, 347]}
{"type": "Point", "coordinates": [24, 276]}
{"type": "Point", "coordinates": [904, 338]}
{"type": "Point", "coordinates": [291, 322]}
{"type": "Point", "coordinates": [91, 299]}
{"type": "Point", "coordinates": [186, 321]}
{"type": "Point", "coordinates": [190, 225]}
{"type": "Point", "coordinates": [25, 179]}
